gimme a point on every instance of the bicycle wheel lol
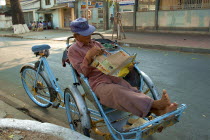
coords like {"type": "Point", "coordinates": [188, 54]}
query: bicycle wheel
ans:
{"type": "Point", "coordinates": [39, 93]}
{"type": "Point", "coordinates": [73, 114]}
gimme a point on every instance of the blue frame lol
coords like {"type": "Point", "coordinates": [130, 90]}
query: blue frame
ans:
{"type": "Point", "coordinates": [50, 76]}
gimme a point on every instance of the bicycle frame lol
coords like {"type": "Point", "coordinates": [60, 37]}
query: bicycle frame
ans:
{"type": "Point", "coordinates": [47, 72]}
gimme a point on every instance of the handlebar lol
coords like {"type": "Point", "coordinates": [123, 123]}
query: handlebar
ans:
{"type": "Point", "coordinates": [67, 40]}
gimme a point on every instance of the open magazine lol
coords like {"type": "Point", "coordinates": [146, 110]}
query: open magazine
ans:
{"type": "Point", "coordinates": [115, 64]}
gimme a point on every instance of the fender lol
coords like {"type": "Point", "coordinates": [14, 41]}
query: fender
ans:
{"type": "Point", "coordinates": [151, 85]}
{"type": "Point", "coordinates": [32, 65]}
{"type": "Point", "coordinates": [27, 65]}
{"type": "Point", "coordinates": [82, 106]}
{"type": "Point", "coordinates": [149, 82]}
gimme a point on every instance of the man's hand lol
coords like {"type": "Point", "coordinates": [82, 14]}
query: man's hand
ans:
{"type": "Point", "coordinates": [94, 51]}
{"type": "Point", "coordinates": [130, 67]}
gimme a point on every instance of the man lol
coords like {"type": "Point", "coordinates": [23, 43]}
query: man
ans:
{"type": "Point", "coordinates": [111, 20]}
{"type": "Point", "coordinates": [112, 91]}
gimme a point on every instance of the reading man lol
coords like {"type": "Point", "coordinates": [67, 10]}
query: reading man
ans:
{"type": "Point", "coordinates": [112, 91]}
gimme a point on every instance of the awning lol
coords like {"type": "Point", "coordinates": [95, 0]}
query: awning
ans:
{"type": "Point", "coordinates": [58, 6]}
{"type": "Point", "coordinates": [44, 11]}
{"type": "Point", "coordinates": [49, 10]}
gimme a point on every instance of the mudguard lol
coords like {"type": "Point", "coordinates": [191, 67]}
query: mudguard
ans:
{"type": "Point", "coordinates": [151, 85]}
{"type": "Point", "coordinates": [82, 106]}
{"type": "Point", "coordinates": [32, 65]}
{"type": "Point", "coordinates": [27, 65]}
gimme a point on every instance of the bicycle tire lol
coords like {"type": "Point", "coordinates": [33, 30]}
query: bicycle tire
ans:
{"type": "Point", "coordinates": [74, 119]}
{"type": "Point", "coordinates": [42, 89]}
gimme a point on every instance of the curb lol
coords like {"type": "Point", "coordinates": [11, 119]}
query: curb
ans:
{"type": "Point", "coordinates": [168, 48]}
{"type": "Point", "coordinates": [16, 36]}
{"type": "Point", "coordinates": [35, 113]}
{"type": "Point", "coordinates": [46, 128]}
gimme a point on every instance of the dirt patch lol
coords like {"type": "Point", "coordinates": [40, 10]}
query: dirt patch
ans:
{"type": "Point", "coordinates": [16, 134]}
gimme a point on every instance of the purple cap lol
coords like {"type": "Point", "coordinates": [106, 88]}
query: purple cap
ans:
{"type": "Point", "coordinates": [82, 27]}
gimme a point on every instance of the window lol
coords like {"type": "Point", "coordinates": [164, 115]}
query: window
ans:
{"type": "Point", "coordinates": [2, 2]}
{"type": "Point", "coordinates": [100, 13]}
{"type": "Point", "coordinates": [184, 4]}
{"type": "Point", "coordinates": [146, 5]}
{"type": "Point", "coordinates": [47, 2]}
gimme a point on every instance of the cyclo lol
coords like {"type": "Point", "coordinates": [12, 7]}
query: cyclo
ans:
{"type": "Point", "coordinates": [115, 120]}
{"type": "Point", "coordinates": [83, 109]}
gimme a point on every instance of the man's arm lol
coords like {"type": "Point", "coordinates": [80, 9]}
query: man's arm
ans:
{"type": "Point", "coordinates": [80, 63]}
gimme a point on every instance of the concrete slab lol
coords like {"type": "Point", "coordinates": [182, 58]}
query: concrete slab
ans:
{"type": "Point", "coordinates": [46, 128]}
{"type": "Point", "coordinates": [11, 112]}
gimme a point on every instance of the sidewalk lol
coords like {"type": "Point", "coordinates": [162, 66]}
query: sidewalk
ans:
{"type": "Point", "coordinates": [16, 124]}
{"type": "Point", "coordinates": [196, 43]}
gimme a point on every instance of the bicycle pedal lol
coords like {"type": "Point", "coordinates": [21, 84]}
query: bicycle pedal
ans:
{"type": "Point", "coordinates": [56, 105]}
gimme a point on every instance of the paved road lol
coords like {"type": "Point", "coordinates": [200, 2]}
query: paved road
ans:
{"type": "Point", "coordinates": [184, 75]}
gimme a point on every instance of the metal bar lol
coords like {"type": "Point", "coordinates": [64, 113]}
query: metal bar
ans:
{"type": "Point", "coordinates": [95, 113]}
{"type": "Point", "coordinates": [94, 119]}
{"type": "Point", "coordinates": [52, 77]}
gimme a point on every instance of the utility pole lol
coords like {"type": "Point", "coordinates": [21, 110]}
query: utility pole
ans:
{"type": "Point", "coordinates": [106, 14]}
{"type": "Point", "coordinates": [86, 12]}
{"type": "Point", "coordinates": [157, 4]}
{"type": "Point", "coordinates": [134, 14]}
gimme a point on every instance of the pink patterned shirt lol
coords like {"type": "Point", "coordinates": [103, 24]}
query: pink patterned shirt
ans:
{"type": "Point", "coordinates": [76, 55]}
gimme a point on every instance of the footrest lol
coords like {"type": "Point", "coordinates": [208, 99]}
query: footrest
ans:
{"type": "Point", "coordinates": [159, 127]}
{"type": "Point", "coordinates": [161, 122]}
{"type": "Point", "coordinates": [38, 48]}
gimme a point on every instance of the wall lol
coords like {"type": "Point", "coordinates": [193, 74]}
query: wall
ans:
{"type": "Point", "coordinates": [127, 18]}
{"type": "Point", "coordinates": [188, 20]}
{"type": "Point", "coordinates": [5, 22]}
{"type": "Point", "coordinates": [185, 18]}
{"type": "Point", "coordinates": [28, 6]}
{"type": "Point", "coordinates": [44, 6]}
{"type": "Point", "coordinates": [145, 20]}
{"type": "Point", "coordinates": [56, 21]}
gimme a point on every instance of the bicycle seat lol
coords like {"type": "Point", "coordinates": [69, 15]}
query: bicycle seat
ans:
{"type": "Point", "coordinates": [38, 48]}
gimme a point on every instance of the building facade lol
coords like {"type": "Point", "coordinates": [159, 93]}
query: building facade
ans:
{"type": "Point", "coordinates": [55, 11]}
{"type": "Point", "coordinates": [170, 15]}
{"type": "Point", "coordinates": [61, 12]}
{"type": "Point", "coordinates": [137, 15]}
{"type": "Point", "coordinates": [5, 17]}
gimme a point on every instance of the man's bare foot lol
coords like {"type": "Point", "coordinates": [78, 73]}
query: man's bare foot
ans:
{"type": "Point", "coordinates": [163, 102]}
{"type": "Point", "coordinates": [170, 108]}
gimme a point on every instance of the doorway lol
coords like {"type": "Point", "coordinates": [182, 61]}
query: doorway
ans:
{"type": "Point", "coordinates": [48, 18]}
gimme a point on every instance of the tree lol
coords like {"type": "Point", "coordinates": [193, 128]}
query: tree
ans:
{"type": "Point", "coordinates": [17, 14]}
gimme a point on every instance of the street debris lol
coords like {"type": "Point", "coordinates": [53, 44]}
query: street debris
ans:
{"type": "Point", "coordinates": [13, 134]}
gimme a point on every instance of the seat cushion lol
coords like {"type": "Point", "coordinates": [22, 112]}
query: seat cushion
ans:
{"type": "Point", "coordinates": [38, 48]}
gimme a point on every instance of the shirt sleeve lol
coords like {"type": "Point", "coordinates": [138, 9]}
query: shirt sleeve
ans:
{"type": "Point", "coordinates": [79, 62]}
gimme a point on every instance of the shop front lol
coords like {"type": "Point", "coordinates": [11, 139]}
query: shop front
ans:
{"type": "Point", "coordinates": [94, 13]}
{"type": "Point", "coordinates": [66, 12]}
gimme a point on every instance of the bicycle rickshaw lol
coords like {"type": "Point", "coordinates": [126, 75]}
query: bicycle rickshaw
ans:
{"type": "Point", "coordinates": [76, 99]}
